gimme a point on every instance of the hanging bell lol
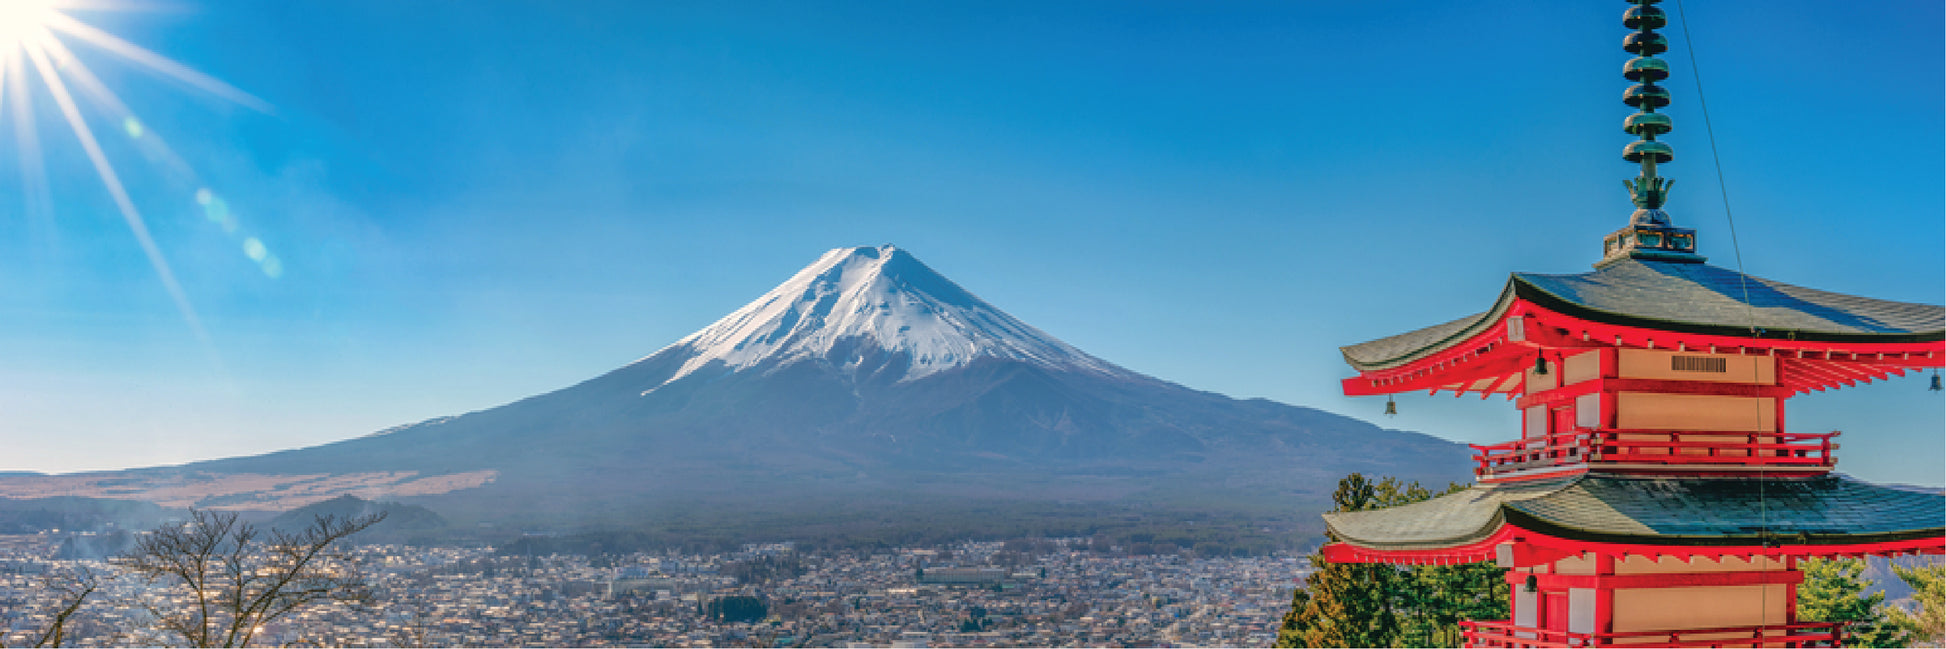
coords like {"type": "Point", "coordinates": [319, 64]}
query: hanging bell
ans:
{"type": "Point", "coordinates": [1540, 366]}
{"type": "Point", "coordinates": [1935, 383]}
{"type": "Point", "coordinates": [1392, 408]}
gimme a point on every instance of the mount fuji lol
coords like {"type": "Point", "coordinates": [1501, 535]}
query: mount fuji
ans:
{"type": "Point", "coordinates": [866, 379]}
{"type": "Point", "coordinates": [882, 301]}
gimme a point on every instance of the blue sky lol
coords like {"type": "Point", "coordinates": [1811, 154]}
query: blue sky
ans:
{"type": "Point", "coordinates": [471, 203]}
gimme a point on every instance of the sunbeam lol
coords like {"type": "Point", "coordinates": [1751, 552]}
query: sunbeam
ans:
{"type": "Point", "coordinates": [108, 42]}
{"type": "Point", "coordinates": [114, 184]}
{"type": "Point", "coordinates": [28, 140]}
{"type": "Point", "coordinates": [92, 87]}
{"type": "Point", "coordinates": [31, 33]}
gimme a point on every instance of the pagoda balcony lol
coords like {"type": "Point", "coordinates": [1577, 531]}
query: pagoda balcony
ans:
{"type": "Point", "coordinates": [1803, 634]}
{"type": "Point", "coordinates": [1657, 451]}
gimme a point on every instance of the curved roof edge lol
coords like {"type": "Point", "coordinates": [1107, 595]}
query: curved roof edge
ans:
{"type": "Point", "coordinates": [1393, 351]}
{"type": "Point", "coordinates": [1527, 289]}
{"type": "Point", "coordinates": [1662, 511]}
{"type": "Point", "coordinates": [1451, 520]}
{"type": "Point", "coordinates": [1689, 298]}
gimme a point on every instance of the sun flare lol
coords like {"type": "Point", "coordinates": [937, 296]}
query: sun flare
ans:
{"type": "Point", "coordinates": [19, 19]}
{"type": "Point", "coordinates": [32, 34]}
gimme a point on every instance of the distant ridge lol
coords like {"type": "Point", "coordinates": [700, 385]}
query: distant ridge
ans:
{"type": "Point", "coordinates": [402, 521]}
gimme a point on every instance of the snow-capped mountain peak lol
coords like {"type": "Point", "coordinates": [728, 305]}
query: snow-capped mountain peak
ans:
{"type": "Point", "coordinates": [880, 296]}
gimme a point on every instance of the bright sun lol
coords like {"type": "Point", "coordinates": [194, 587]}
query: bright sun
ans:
{"type": "Point", "coordinates": [32, 44]}
{"type": "Point", "coordinates": [20, 21]}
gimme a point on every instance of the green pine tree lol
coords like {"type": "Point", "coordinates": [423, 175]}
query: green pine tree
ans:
{"type": "Point", "coordinates": [1927, 626]}
{"type": "Point", "coordinates": [1343, 604]}
{"type": "Point", "coordinates": [1834, 590]}
{"type": "Point", "coordinates": [1433, 599]}
{"type": "Point", "coordinates": [1379, 605]}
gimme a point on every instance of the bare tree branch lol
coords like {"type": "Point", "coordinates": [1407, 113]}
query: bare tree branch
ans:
{"type": "Point", "coordinates": [71, 592]}
{"type": "Point", "coordinates": [238, 580]}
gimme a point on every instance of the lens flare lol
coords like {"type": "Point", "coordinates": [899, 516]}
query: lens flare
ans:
{"type": "Point", "coordinates": [31, 42]}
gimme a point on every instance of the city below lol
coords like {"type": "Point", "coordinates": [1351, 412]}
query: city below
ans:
{"type": "Point", "coordinates": [1026, 592]}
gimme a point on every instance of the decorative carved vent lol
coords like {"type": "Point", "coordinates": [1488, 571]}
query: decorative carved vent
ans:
{"type": "Point", "coordinates": [1699, 364]}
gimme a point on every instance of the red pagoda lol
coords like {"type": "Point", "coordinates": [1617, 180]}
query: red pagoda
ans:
{"type": "Point", "coordinates": [1654, 497]}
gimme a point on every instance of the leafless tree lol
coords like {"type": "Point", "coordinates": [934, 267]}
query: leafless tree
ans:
{"type": "Point", "coordinates": [70, 591]}
{"type": "Point", "coordinates": [227, 579]}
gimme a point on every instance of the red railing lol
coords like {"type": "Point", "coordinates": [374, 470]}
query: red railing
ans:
{"type": "Point", "coordinates": [1670, 448]}
{"type": "Point", "coordinates": [1802, 634]}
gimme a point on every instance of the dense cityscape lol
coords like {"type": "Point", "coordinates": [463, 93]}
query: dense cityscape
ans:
{"type": "Point", "coordinates": [1042, 592]}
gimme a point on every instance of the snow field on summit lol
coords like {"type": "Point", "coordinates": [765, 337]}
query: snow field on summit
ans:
{"type": "Point", "coordinates": [887, 298]}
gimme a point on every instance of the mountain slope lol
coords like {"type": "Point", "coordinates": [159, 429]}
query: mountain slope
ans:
{"type": "Point", "coordinates": [866, 377]}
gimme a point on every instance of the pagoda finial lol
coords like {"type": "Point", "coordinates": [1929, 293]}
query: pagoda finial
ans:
{"type": "Point", "coordinates": [1650, 234]}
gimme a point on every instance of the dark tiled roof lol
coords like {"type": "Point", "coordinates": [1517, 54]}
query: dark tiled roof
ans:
{"type": "Point", "coordinates": [1701, 294]}
{"type": "Point", "coordinates": [1679, 297]}
{"type": "Point", "coordinates": [1446, 521]}
{"type": "Point", "coordinates": [1821, 510]}
{"type": "Point", "coordinates": [1374, 354]}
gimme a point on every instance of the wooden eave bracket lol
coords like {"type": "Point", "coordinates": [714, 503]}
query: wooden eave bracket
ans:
{"type": "Point", "coordinates": [1518, 553]}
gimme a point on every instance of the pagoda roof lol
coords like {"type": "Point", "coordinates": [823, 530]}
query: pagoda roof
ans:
{"type": "Point", "coordinates": [1682, 297]}
{"type": "Point", "coordinates": [1660, 511]}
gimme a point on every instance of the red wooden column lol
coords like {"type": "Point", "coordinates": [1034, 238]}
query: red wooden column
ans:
{"type": "Point", "coordinates": [1604, 596]}
{"type": "Point", "coordinates": [1790, 591]}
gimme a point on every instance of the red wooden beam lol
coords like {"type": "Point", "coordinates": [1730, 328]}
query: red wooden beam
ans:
{"type": "Point", "coordinates": [1811, 374]}
{"type": "Point", "coordinates": [1462, 361]}
{"type": "Point", "coordinates": [1486, 549]}
{"type": "Point", "coordinates": [1503, 633]}
{"type": "Point", "coordinates": [1872, 371]}
{"type": "Point", "coordinates": [1498, 363]}
{"type": "Point", "coordinates": [1660, 580]}
{"type": "Point", "coordinates": [1515, 554]}
{"type": "Point", "coordinates": [1850, 374]}
{"type": "Point", "coordinates": [1863, 373]}
{"type": "Point", "coordinates": [1569, 392]}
